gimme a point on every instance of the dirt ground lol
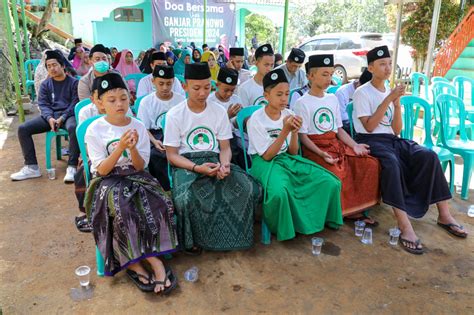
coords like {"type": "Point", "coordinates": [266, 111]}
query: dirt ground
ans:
{"type": "Point", "coordinates": [40, 249]}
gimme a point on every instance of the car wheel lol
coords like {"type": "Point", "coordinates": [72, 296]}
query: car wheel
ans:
{"type": "Point", "coordinates": [340, 73]}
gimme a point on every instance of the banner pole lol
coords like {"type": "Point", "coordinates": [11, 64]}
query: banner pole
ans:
{"type": "Point", "coordinates": [205, 22]}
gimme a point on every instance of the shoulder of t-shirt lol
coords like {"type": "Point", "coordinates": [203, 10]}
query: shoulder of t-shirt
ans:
{"type": "Point", "coordinates": [235, 99]}
{"type": "Point", "coordinates": [147, 98]}
{"type": "Point", "coordinates": [96, 123]}
{"type": "Point", "coordinates": [179, 97]}
{"type": "Point", "coordinates": [256, 115]}
{"type": "Point", "coordinates": [138, 124]}
{"type": "Point", "coordinates": [332, 97]}
{"type": "Point", "coordinates": [361, 90]}
{"type": "Point", "coordinates": [176, 109]}
{"type": "Point", "coordinates": [214, 106]}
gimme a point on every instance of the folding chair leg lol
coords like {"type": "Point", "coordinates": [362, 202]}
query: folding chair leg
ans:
{"type": "Point", "coordinates": [266, 234]}
{"type": "Point", "coordinates": [58, 148]}
{"type": "Point", "coordinates": [100, 262]}
{"type": "Point", "coordinates": [451, 175]}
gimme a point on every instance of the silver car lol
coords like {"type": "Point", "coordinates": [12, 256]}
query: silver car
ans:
{"type": "Point", "coordinates": [349, 50]}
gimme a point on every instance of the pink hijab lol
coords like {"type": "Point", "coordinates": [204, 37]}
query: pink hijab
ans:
{"type": "Point", "coordinates": [126, 69]}
{"type": "Point", "coordinates": [77, 61]}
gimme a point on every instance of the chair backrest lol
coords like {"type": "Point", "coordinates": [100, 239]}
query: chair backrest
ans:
{"type": "Point", "coordinates": [411, 109]}
{"type": "Point", "coordinates": [349, 110]}
{"type": "Point", "coordinates": [416, 79]}
{"type": "Point", "coordinates": [136, 105]}
{"type": "Point", "coordinates": [242, 115]}
{"type": "Point", "coordinates": [80, 134]}
{"type": "Point", "coordinates": [136, 77]}
{"type": "Point", "coordinates": [180, 78]}
{"type": "Point", "coordinates": [451, 106]}
{"type": "Point", "coordinates": [253, 70]}
{"type": "Point", "coordinates": [437, 89]}
{"type": "Point", "coordinates": [336, 80]}
{"type": "Point", "coordinates": [439, 79]}
{"type": "Point", "coordinates": [30, 67]}
{"type": "Point", "coordinates": [260, 101]}
{"type": "Point", "coordinates": [332, 89]}
{"type": "Point", "coordinates": [79, 106]}
{"type": "Point", "coordinates": [459, 85]}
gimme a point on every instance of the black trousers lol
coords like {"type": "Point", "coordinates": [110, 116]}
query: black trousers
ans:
{"type": "Point", "coordinates": [40, 125]}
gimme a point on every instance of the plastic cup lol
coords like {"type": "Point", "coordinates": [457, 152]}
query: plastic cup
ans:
{"type": "Point", "coordinates": [359, 228]}
{"type": "Point", "coordinates": [367, 236]}
{"type": "Point", "coordinates": [192, 274]}
{"type": "Point", "coordinates": [83, 273]}
{"type": "Point", "coordinates": [470, 211]}
{"type": "Point", "coordinates": [317, 244]}
{"type": "Point", "coordinates": [394, 235]}
{"type": "Point", "coordinates": [51, 173]}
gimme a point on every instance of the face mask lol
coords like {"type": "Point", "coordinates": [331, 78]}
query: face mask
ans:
{"type": "Point", "coordinates": [101, 66]}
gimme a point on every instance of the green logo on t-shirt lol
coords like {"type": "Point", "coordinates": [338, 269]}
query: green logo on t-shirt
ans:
{"type": "Point", "coordinates": [323, 120]}
{"type": "Point", "coordinates": [387, 118]}
{"type": "Point", "coordinates": [159, 120]}
{"type": "Point", "coordinates": [201, 139]}
{"type": "Point", "coordinates": [274, 133]}
{"type": "Point", "coordinates": [112, 145]}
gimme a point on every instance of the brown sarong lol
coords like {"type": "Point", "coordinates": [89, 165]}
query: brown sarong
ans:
{"type": "Point", "coordinates": [359, 175]}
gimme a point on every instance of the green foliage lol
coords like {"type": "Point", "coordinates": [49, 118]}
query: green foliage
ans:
{"type": "Point", "coordinates": [309, 19]}
{"type": "Point", "coordinates": [261, 26]}
{"type": "Point", "coordinates": [416, 29]}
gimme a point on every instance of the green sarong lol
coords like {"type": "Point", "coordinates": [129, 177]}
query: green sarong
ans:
{"type": "Point", "coordinates": [214, 214]}
{"type": "Point", "coordinates": [299, 195]}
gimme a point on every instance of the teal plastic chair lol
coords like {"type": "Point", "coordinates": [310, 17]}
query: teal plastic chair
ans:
{"type": "Point", "coordinates": [30, 67]}
{"type": "Point", "coordinates": [136, 77]}
{"type": "Point", "coordinates": [79, 106]}
{"type": "Point", "coordinates": [416, 79]}
{"type": "Point", "coordinates": [50, 135]}
{"type": "Point", "coordinates": [244, 114]}
{"type": "Point", "coordinates": [459, 85]}
{"type": "Point", "coordinates": [411, 109]}
{"type": "Point", "coordinates": [260, 101]}
{"type": "Point", "coordinates": [332, 89]}
{"type": "Point", "coordinates": [81, 133]}
{"type": "Point", "coordinates": [136, 105]}
{"type": "Point", "coordinates": [213, 85]}
{"type": "Point", "coordinates": [337, 80]}
{"type": "Point", "coordinates": [439, 79]}
{"type": "Point", "coordinates": [349, 110]}
{"type": "Point", "coordinates": [253, 70]}
{"type": "Point", "coordinates": [463, 146]}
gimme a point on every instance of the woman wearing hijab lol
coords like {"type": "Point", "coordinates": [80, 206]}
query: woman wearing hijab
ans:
{"type": "Point", "coordinates": [126, 65]}
{"type": "Point", "coordinates": [210, 59]}
{"type": "Point", "coordinates": [197, 54]}
{"type": "Point", "coordinates": [170, 58]}
{"type": "Point", "coordinates": [183, 60]}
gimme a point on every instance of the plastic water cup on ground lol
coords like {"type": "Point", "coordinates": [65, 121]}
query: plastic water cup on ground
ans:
{"type": "Point", "coordinates": [359, 228]}
{"type": "Point", "coordinates": [317, 244]}
{"type": "Point", "coordinates": [83, 273]}
{"type": "Point", "coordinates": [470, 211]}
{"type": "Point", "coordinates": [367, 236]}
{"type": "Point", "coordinates": [51, 173]}
{"type": "Point", "coordinates": [192, 274]}
{"type": "Point", "coordinates": [394, 235]}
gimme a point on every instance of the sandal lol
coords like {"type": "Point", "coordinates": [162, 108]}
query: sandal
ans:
{"type": "Point", "coordinates": [449, 227]}
{"type": "Point", "coordinates": [194, 251]}
{"type": "Point", "coordinates": [415, 251]}
{"type": "Point", "coordinates": [83, 225]}
{"type": "Point", "coordinates": [169, 276]}
{"type": "Point", "coordinates": [369, 221]}
{"type": "Point", "coordinates": [144, 287]}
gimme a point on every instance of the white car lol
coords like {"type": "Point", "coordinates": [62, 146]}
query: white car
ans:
{"type": "Point", "coordinates": [349, 50]}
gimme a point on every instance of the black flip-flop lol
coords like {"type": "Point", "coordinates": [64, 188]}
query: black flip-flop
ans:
{"type": "Point", "coordinates": [364, 218]}
{"type": "Point", "coordinates": [195, 251]}
{"type": "Point", "coordinates": [144, 287]}
{"type": "Point", "coordinates": [83, 224]}
{"type": "Point", "coordinates": [169, 276]}
{"type": "Point", "coordinates": [448, 227]}
{"type": "Point", "coordinates": [414, 251]}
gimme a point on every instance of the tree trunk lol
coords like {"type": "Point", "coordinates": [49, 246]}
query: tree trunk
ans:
{"type": "Point", "coordinates": [40, 28]}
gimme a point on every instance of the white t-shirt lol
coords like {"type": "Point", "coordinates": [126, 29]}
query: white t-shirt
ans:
{"type": "Point", "coordinates": [344, 95]}
{"type": "Point", "coordinates": [244, 76]}
{"type": "Point", "coordinates": [91, 110]}
{"type": "Point", "coordinates": [320, 114]}
{"type": "Point", "coordinates": [146, 86]}
{"type": "Point", "coordinates": [192, 132]}
{"type": "Point", "coordinates": [249, 92]}
{"type": "Point", "coordinates": [263, 131]}
{"type": "Point", "coordinates": [152, 109]}
{"type": "Point", "coordinates": [366, 100]}
{"type": "Point", "coordinates": [102, 138]}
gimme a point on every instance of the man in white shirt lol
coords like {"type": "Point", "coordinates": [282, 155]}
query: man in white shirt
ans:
{"type": "Point", "coordinates": [411, 178]}
{"type": "Point", "coordinates": [251, 92]}
{"type": "Point", "coordinates": [145, 86]}
{"type": "Point", "coordinates": [292, 68]}
{"type": "Point", "coordinates": [344, 96]}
